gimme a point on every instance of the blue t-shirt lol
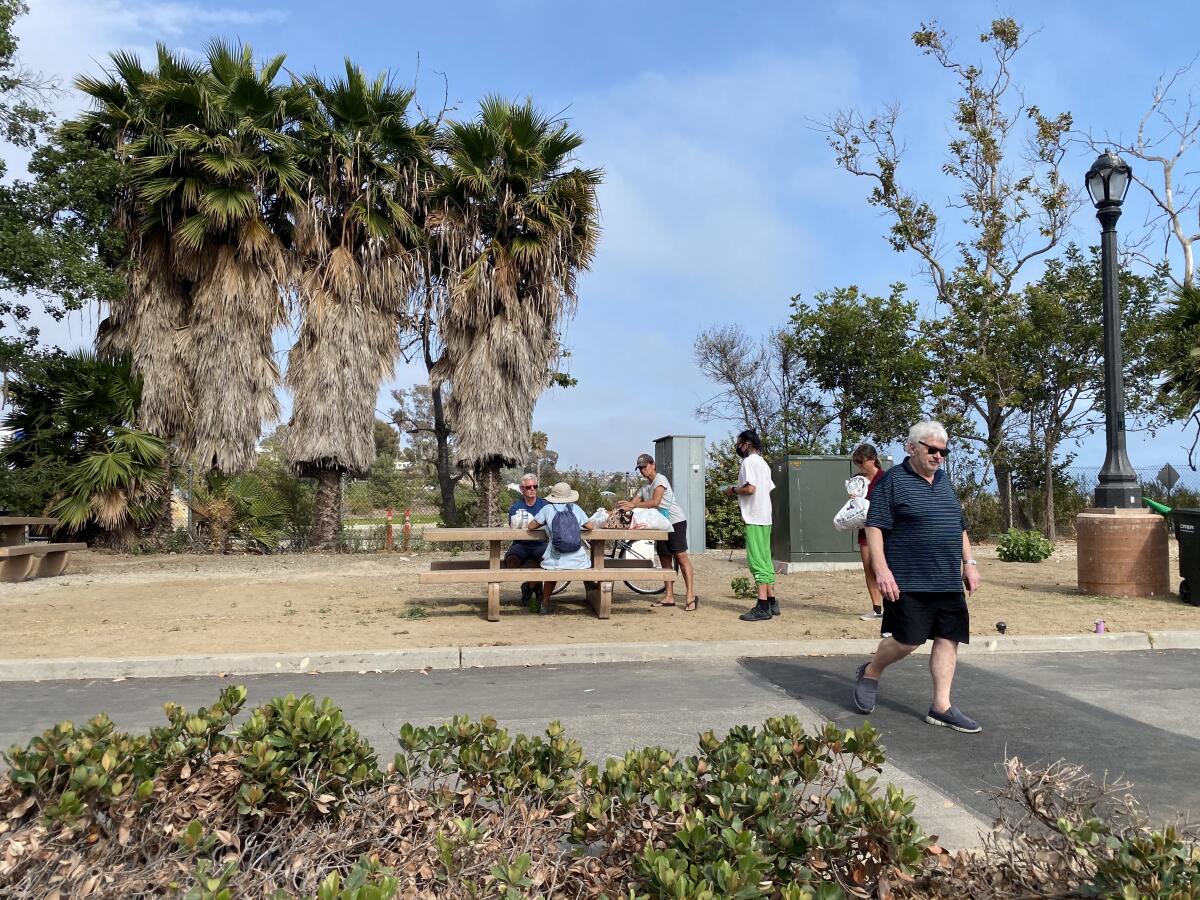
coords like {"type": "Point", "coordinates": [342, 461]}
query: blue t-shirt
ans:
{"type": "Point", "coordinates": [579, 559]}
{"type": "Point", "coordinates": [537, 507]}
{"type": "Point", "coordinates": [922, 526]}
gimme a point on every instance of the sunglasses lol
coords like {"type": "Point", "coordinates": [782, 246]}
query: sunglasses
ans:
{"type": "Point", "coordinates": [943, 452]}
{"type": "Point", "coordinates": [529, 487]}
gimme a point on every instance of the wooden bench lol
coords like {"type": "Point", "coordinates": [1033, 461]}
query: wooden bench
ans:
{"type": "Point", "coordinates": [17, 557]}
{"type": "Point", "coordinates": [491, 572]}
{"type": "Point", "coordinates": [17, 562]}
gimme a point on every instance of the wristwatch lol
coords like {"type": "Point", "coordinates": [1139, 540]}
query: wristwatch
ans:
{"type": "Point", "coordinates": [969, 562]}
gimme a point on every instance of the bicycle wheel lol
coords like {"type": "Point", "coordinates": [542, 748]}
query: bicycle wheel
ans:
{"type": "Point", "coordinates": [643, 550]}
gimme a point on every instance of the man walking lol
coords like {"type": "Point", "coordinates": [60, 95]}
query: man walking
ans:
{"type": "Point", "coordinates": [918, 542]}
{"type": "Point", "coordinates": [753, 492]}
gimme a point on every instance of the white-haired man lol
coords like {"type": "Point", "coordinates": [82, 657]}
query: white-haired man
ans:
{"type": "Point", "coordinates": [528, 505]}
{"type": "Point", "coordinates": [917, 535]}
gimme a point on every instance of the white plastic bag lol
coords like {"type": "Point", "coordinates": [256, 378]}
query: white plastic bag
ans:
{"type": "Point", "coordinates": [852, 515]}
{"type": "Point", "coordinates": [650, 518]}
{"type": "Point", "coordinates": [857, 486]}
{"type": "Point", "coordinates": [599, 517]}
{"type": "Point", "coordinates": [520, 519]}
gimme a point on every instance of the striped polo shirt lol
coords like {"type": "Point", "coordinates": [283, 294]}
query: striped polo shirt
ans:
{"type": "Point", "coordinates": [922, 526]}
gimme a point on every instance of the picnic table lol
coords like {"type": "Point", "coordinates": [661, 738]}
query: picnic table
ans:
{"type": "Point", "coordinates": [17, 555]}
{"type": "Point", "coordinates": [491, 571]}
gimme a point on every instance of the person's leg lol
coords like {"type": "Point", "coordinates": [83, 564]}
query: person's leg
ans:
{"type": "Point", "coordinates": [864, 553]}
{"type": "Point", "coordinates": [665, 560]}
{"type": "Point", "coordinates": [942, 661]}
{"type": "Point", "coordinates": [547, 593]}
{"type": "Point", "coordinates": [685, 568]}
{"type": "Point", "coordinates": [889, 651]}
{"type": "Point", "coordinates": [758, 557]}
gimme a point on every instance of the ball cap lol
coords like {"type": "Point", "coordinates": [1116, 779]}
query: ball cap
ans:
{"type": "Point", "coordinates": [645, 460]}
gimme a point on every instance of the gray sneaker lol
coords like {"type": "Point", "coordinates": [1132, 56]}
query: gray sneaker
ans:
{"type": "Point", "coordinates": [866, 690]}
{"type": "Point", "coordinates": [954, 718]}
{"type": "Point", "coordinates": [774, 607]}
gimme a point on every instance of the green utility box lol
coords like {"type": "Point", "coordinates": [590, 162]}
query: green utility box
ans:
{"type": "Point", "coordinates": [809, 490]}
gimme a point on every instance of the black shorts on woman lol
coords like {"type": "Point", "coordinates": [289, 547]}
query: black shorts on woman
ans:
{"type": "Point", "coordinates": [919, 616]}
{"type": "Point", "coordinates": [676, 541]}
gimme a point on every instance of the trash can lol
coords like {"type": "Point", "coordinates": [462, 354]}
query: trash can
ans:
{"type": "Point", "coordinates": [1187, 532]}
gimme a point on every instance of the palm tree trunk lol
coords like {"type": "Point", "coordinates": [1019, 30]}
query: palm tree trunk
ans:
{"type": "Point", "coordinates": [441, 433]}
{"type": "Point", "coordinates": [489, 491]}
{"type": "Point", "coordinates": [326, 511]}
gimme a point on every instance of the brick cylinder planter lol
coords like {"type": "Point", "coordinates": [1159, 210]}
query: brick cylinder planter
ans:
{"type": "Point", "coordinates": [1122, 553]}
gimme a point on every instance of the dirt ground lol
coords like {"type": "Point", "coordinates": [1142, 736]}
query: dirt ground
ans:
{"type": "Point", "coordinates": [166, 605]}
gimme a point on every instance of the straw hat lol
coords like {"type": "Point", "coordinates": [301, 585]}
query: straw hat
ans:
{"type": "Point", "coordinates": [562, 493]}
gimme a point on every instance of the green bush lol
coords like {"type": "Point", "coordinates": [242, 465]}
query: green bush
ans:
{"type": "Point", "coordinates": [743, 588]}
{"type": "Point", "coordinates": [1024, 546]}
{"type": "Point", "coordinates": [293, 805]}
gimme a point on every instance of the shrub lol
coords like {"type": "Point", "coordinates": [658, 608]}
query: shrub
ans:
{"type": "Point", "coordinates": [743, 588]}
{"type": "Point", "coordinates": [1024, 546]}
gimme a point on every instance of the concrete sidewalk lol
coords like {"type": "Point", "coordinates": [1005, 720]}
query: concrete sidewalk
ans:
{"type": "Point", "coordinates": [242, 664]}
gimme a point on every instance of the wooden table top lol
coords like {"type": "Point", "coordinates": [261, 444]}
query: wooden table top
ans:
{"type": "Point", "coordinates": [524, 534]}
{"type": "Point", "coordinates": [27, 520]}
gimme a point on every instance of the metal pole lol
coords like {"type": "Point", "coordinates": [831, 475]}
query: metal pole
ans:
{"type": "Point", "coordinates": [1118, 487]}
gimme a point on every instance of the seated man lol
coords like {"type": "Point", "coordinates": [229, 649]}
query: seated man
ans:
{"type": "Point", "coordinates": [561, 502]}
{"type": "Point", "coordinates": [521, 552]}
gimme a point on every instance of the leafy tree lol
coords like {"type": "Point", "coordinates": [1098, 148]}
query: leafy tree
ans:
{"type": "Point", "coordinates": [75, 452]}
{"type": "Point", "coordinates": [864, 354]}
{"type": "Point", "coordinates": [1180, 390]}
{"type": "Point", "coordinates": [763, 386]}
{"type": "Point", "coordinates": [723, 518]}
{"type": "Point", "coordinates": [1059, 347]}
{"type": "Point", "coordinates": [516, 222]}
{"type": "Point", "coordinates": [1004, 161]}
{"type": "Point", "coordinates": [353, 254]}
{"type": "Point", "coordinates": [387, 439]}
{"type": "Point", "coordinates": [420, 414]}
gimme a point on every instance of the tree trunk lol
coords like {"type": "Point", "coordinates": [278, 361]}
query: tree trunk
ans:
{"type": "Point", "coordinates": [1051, 525]}
{"type": "Point", "coordinates": [326, 511]}
{"type": "Point", "coordinates": [489, 490]}
{"type": "Point", "coordinates": [1003, 471]}
{"type": "Point", "coordinates": [446, 482]}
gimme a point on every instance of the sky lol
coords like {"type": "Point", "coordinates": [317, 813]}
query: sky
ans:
{"type": "Point", "coordinates": [721, 199]}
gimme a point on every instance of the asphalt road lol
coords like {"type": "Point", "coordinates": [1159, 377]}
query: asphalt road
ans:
{"type": "Point", "coordinates": [1131, 714]}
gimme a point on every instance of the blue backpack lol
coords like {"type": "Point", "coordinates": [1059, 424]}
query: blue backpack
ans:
{"type": "Point", "coordinates": [564, 530]}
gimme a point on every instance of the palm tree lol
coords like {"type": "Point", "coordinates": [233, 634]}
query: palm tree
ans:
{"type": "Point", "coordinates": [515, 225]}
{"type": "Point", "coordinates": [353, 266]}
{"type": "Point", "coordinates": [213, 180]}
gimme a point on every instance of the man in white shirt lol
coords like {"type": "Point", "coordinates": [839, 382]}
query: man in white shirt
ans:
{"type": "Point", "coordinates": [753, 491]}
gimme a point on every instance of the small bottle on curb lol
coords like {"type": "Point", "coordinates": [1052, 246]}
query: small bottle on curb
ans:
{"type": "Point", "coordinates": [1099, 626]}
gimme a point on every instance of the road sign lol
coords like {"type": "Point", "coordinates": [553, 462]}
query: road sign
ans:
{"type": "Point", "coordinates": [1167, 476]}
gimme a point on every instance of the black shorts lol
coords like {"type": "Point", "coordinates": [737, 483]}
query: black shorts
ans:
{"type": "Point", "coordinates": [921, 615]}
{"type": "Point", "coordinates": [676, 541]}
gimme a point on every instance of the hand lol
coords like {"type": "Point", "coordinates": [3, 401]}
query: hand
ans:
{"type": "Point", "coordinates": [731, 491]}
{"type": "Point", "coordinates": [971, 579]}
{"type": "Point", "coordinates": [624, 504]}
{"type": "Point", "coordinates": [887, 585]}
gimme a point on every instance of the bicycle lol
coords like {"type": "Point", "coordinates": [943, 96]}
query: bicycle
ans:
{"type": "Point", "coordinates": [622, 549]}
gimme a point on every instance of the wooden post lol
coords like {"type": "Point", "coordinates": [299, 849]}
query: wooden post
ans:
{"type": "Point", "coordinates": [387, 535]}
{"type": "Point", "coordinates": [493, 610]}
{"type": "Point", "coordinates": [407, 530]}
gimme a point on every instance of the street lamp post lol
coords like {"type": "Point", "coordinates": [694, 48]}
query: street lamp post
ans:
{"type": "Point", "coordinates": [1107, 182]}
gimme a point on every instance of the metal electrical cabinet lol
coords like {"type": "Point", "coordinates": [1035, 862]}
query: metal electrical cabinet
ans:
{"type": "Point", "coordinates": [680, 458]}
{"type": "Point", "coordinates": [809, 490]}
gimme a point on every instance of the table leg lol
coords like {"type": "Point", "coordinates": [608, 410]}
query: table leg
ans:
{"type": "Point", "coordinates": [52, 564]}
{"type": "Point", "coordinates": [494, 555]}
{"type": "Point", "coordinates": [599, 597]}
{"type": "Point", "coordinates": [597, 553]}
{"type": "Point", "coordinates": [12, 535]}
{"type": "Point", "coordinates": [16, 568]}
{"type": "Point", "coordinates": [493, 611]}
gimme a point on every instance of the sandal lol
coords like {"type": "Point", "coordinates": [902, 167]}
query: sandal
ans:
{"type": "Point", "coordinates": [693, 606]}
{"type": "Point", "coordinates": [665, 603]}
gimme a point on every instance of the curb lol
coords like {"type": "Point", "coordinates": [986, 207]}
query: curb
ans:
{"type": "Point", "coordinates": [84, 668]}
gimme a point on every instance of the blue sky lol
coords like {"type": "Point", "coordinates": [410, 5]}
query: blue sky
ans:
{"type": "Point", "coordinates": [721, 201]}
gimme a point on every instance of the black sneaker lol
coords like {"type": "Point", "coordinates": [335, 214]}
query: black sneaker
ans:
{"type": "Point", "coordinates": [526, 592]}
{"type": "Point", "coordinates": [760, 613]}
{"type": "Point", "coordinates": [774, 607]}
{"type": "Point", "coordinates": [954, 718]}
